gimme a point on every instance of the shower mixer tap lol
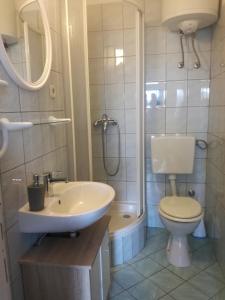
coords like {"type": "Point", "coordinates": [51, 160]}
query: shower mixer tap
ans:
{"type": "Point", "coordinates": [105, 121]}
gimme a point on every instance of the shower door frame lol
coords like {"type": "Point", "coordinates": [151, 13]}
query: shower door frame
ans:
{"type": "Point", "coordinates": [140, 155]}
{"type": "Point", "coordinates": [140, 148]}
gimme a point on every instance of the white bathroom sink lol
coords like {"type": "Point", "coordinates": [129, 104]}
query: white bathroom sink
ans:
{"type": "Point", "coordinates": [75, 205]}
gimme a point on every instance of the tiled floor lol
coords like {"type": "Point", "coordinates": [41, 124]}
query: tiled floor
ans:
{"type": "Point", "coordinates": [150, 277]}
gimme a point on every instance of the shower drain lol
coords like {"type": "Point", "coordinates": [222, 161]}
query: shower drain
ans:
{"type": "Point", "coordinates": [126, 216]}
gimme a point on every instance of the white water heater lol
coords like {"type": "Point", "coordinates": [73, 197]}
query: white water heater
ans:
{"type": "Point", "coordinates": [189, 15]}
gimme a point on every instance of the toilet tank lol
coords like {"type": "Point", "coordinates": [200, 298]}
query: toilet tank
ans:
{"type": "Point", "coordinates": [172, 154]}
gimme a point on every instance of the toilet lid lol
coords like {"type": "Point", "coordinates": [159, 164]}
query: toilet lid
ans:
{"type": "Point", "coordinates": [180, 207]}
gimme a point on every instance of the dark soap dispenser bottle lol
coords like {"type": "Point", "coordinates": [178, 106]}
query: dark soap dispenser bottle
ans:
{"type": "Point", "coordinates": [36, 194]}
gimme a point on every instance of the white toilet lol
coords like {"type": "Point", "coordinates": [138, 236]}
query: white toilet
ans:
{"type": "Point", "coordinates": [174, 155]}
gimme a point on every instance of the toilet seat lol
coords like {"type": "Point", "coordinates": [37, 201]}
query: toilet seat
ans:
{"type": "Point", "coordinates": [180, 209]}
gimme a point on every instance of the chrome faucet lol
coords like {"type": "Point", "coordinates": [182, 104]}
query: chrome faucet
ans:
{"type": "Point", "coordinates": [49, 178]}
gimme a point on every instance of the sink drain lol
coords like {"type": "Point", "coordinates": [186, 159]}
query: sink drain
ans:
{"type": "Point", "coordinates": [126, 216]}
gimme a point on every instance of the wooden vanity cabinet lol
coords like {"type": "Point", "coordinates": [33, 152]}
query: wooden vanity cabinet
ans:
{"type": "Point", "coordinates": [69, 268]}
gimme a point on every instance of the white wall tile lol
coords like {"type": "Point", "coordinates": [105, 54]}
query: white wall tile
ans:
{"type": "Point", "coordinates": [155, 119]}
{"type": "Point", "coordinates": [153, 13]}
{"type": "Point", "coordinates": [94, 17]}
{"type": "Point", "coordinates": [132, 192]}
{"type": "Point", "coordinates": [113, 43]}
{"type": "Point", "coordinates": [199, 173]}
{"type": "Point", "coordinates": [56, 52]}
{"type": "Point", "coordinates": [97, 95]}
{"type": "Point", "coordinates": [96, 71]}
{"type": "Point", "coordinates": [155, 67]}
{"type": "Point", "coordinates": [172, 71]}
{"type": "Point", "coordinates": [95, 44]}
{"type": "Point", "coordinates": [131, 166]}
{"type": "Point", "coordinates": [120, 189]}
{"type": "Point", "coordinates": [29, 101]}
{"type": "Point", "coordinates": [204, 71]}
{"type": "Point", "coordinates": [13, 193]}
{"type": "Point", "coordinates": [176, 120]}
{"type": "Point", "coordinates": [9, 95]}
{"type": "Point", "coordinates": [130, 145]}
{"type": "Point", "coordinates": [129, 42]}
{"type": "Point", "coordinates": [129, 16]}
{"type": "Point", "coordinates": [197, 119]}
{"type": "Point", "coordinates": [176, 94]}
{"type": "Point", "coordinates": [112, 16]}
{"type": "Point", "coordinates": [114, 96]}
{"type": "Point", "coordinates": [198, 92]}
{"type": "Point", "coordinates": [154, 219]}
{"type": "Point", "coordinates": [155, 191]}
{"type": "Point", "coordinates": [112, 141]}
{"type": "Point", "coordinates": [173, 43]}
{"type": "Point", "coordinates": [34, 167]}
{"type": "Point", "coordinates": [98, 170]}
{"type": "Point", "coordinates": [150, 176]}
{"type": "Point", "coordinates": [155, 94]}
{"type": "Point", "coordinates": [130, 95]}
{"type": "Point", "coordinates": [130, 121]}
{"type": "Point", "coordinates": [155, 40]}
{"type": "Point", "coordinates": [113, 68]}
{"type": "Point", "coordinates": [112, 165]}
{"type": "Point", "coordinates": [130, 69]}
{"type": "Point", "coordinates": [33, 146]}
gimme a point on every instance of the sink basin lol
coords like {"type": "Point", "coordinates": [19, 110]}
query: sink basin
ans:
{"type": "Point", "coordinates": [75, 205]}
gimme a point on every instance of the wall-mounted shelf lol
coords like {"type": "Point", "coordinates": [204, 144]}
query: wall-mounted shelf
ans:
{"type": "Point", "coordinates": [3, 83]}
{"type": "Point", "coordinates": [53, 121]}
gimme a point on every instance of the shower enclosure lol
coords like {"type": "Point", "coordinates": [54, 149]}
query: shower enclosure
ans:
{"type": "Point", "coordinates": [115, 44]}
{"type": "Point", "coordinates": [113, 112]}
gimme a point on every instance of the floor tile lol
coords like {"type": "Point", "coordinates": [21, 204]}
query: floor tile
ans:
{"type": "Point", "coordinates": [155, 243]}
{"type": "Point", "coordinates": [219, 296]}
{"type": "Point", "coordinates": [147, 267]}
{"type": "Point", "coordinates": [123, 296]}
{"type": "Point", "coordinates": [207, 284]}
{"type": "Point", "coordinates": [186, 292]}
{"type": "Point", "coordinates": [160, 257]}
{"type": "Point", "coordinates": [127, 277]}
{"type": "Point", "coordinates": [153, 231]}
{"type": "Point", "coordinates": [203, 257]}
{"type": "Point", "coordinates": [146, 290]}
{"type": "Point", "coordinates": [115, 289]}
{"type": "Point", "coordinates": [216, 272]}
{"type": "Point", "coordinates": [166, 280]}
{"type": "Point", "coordinates": [185, 273]}
{"type": "Point", "coordinates": [196, 243]}
{"type": "Point", "coordinates": [167, 297]}
{"type": "Point", "coordinates": [138, 257]}
{"type": "Point", "coordinates": [118, 268]}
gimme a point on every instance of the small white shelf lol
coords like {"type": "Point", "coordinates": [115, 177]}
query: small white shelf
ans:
{"type": "Point", "coordinates": [3, 83]}
{"type": "Point", "coordinates": [53, 121]}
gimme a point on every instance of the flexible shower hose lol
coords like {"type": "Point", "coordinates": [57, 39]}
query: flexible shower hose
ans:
{"type": "Point", "coordinates": [104, 137]}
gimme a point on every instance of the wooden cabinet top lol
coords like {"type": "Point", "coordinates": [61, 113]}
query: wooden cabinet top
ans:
{"type": "Point", "coordinates": [71, 252]}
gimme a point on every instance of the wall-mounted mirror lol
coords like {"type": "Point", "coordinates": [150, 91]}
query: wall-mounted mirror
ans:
{"type": "Point", "coordinates": [25, 42]}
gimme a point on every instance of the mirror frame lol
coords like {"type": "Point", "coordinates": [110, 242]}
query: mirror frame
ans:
{"type": "Point", "coordinates": [10, 69]}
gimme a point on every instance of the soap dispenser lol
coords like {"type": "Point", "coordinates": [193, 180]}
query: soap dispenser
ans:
{"type": "Point", "coordinates": [36, 194]}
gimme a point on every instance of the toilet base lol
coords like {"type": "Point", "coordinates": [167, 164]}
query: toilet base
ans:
{"type": "Point", "coordinates": [178, 251]}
